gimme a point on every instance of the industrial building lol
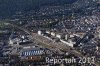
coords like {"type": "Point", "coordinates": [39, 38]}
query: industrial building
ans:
{"type": "Point", "coordinates": [64, 38]}
{"type": "Point", "coordinates": [30, 53]}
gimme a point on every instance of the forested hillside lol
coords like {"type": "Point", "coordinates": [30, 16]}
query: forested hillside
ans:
{"type": "Point", "coordinates": [9, 7]}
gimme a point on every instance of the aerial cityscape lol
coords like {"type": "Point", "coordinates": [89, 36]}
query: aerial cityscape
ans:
{"type": "Point", "coordinates": [49, 32]}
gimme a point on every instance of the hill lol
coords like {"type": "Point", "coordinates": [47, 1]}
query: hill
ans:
{"type": "Point", "coordinates": [9, 7]}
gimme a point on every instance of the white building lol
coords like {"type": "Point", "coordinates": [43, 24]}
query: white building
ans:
{"type": "Point", "coordinates": [71, 44]}
{"type": "Point", "coordinates": [71, 36]}
{"type": "Point", "coordinates": [40, 32]}
{"type": "Point", "coordinates": [14, 41]}
{"type": "Point", "coordinates": [66, 37]}
{"type": "Point", "coordinates": [60, 36]}
{"type": "Point", "coordinates": [48, 32]}
{"type": "Point", "coordinates": [53, 34]}
{"type": "Point", "coordinates": [11, 42]}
